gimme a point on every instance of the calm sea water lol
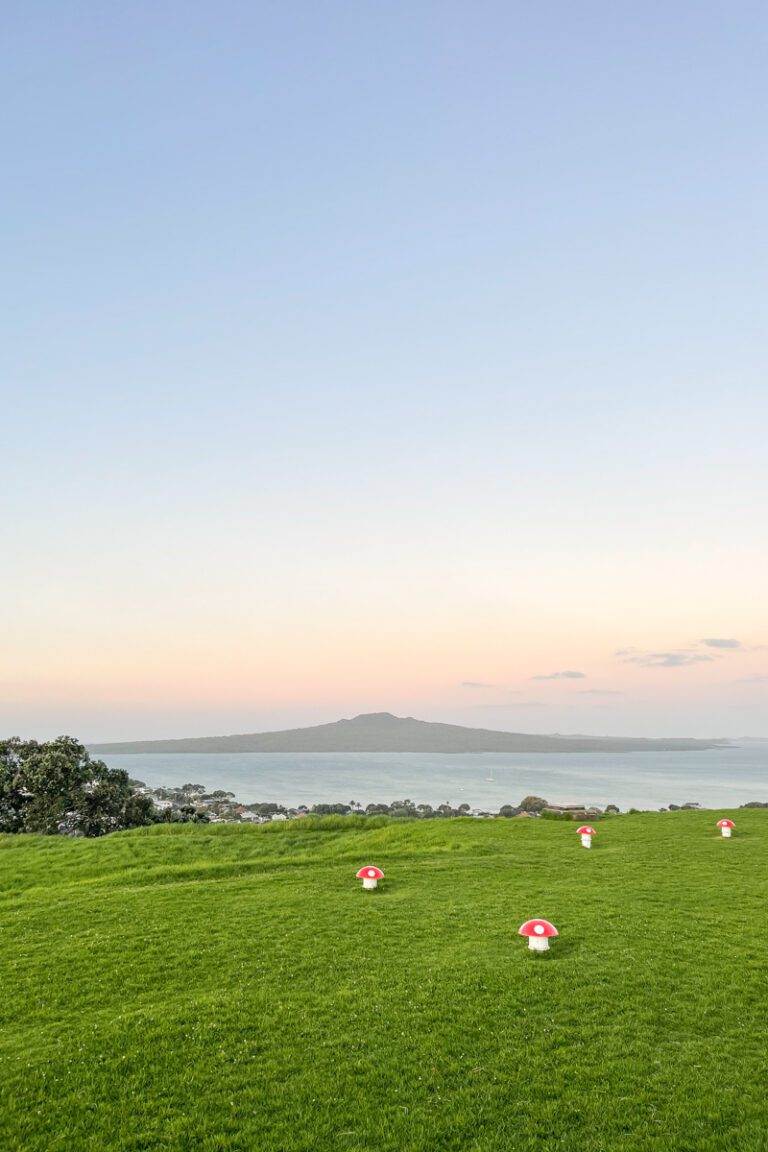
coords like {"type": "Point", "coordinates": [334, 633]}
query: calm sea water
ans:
{"type": "Point", "coordinates": [718, 778]}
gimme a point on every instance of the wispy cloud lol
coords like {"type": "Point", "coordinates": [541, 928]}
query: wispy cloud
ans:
{"type": "Point", "coordinates": [683, 657]}
{"type": "Point", "coordinates": [758, 678]}
{"type": "Point", "coordinates": [599, 692]}
{"type": "Point", "coordinates": [512, 704]}
{"type": "Point", "coordinates": [501, 691]}
{"type": "Point", "coordinates": [566, 675]}
{"type": "Point", "coordinates": [677, 659]}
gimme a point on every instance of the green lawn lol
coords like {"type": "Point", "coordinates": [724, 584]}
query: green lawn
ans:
{"type": "Point", "coordinates": [234, 988]}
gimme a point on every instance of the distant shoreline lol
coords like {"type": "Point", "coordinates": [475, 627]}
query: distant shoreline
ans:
{"type": "Point", "coordinates": [194, 803]}
{"type": "Point", "coordinates": [132, 750]}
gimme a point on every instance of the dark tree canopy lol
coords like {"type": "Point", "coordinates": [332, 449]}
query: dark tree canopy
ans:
{"type": "Point", "coordinates": [55, 788]}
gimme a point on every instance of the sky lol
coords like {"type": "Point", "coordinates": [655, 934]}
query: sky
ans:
{"type": "Point", "coordinates": [361, 357]}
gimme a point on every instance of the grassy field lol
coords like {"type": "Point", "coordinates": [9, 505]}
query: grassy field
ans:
{"type": "Point", "coordinates": [234, 988]}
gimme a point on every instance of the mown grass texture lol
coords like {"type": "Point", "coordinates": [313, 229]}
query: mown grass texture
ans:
{"type": "Point", "coordinates": [234, 988]}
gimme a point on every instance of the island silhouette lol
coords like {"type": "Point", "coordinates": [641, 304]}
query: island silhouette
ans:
{"type": "Point", "coordinates": [383, 732]}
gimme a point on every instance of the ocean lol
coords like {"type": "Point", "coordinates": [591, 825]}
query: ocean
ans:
{"type": "Point", "coordinates": [723, 777]}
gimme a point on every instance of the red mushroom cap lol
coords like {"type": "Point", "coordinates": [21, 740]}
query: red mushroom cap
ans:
{"type": "Point", "coordinates": [370, 872]}
{"type": "Point", "coordinates": [537, 928]}
{"type": "Point", "coordinates": [726, 824]}
{"type": "Point", "coordinates": [586, 830]}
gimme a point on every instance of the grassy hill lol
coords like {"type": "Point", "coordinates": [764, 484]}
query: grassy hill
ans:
{"type": "Point", "coordinates": [234, 988]}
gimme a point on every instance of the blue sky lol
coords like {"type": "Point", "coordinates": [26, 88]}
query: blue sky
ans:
{"type": "Point", "coordinates": [352, 352]}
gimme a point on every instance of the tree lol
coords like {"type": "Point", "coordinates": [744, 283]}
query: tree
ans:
{"type": "Point", "coordinates": [13, 795]}
{"type": "Point", "coordinates": [188, 814]}
{"type": "Point", "coordinates": [267, 809]}
{"type": "Point", "coordinates": [533, 804]}
{"type": "Point", "coordinates": [55, 787]}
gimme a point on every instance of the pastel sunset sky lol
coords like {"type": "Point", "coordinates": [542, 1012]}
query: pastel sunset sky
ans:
{"type": "Point", "coordinates": [404, 357]}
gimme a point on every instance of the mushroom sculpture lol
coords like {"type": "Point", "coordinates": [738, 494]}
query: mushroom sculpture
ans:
{"type": "Point", "coordinates": [726, 826]}
{"type": "Point", "coordinates": [538, 933]}
{"type": "Point", "coordinates": [370, 876]}
{"type": "Point", "coordinates": [586, 832]}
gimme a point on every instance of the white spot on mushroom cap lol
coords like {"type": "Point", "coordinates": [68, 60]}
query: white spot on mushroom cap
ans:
{"type": "Point", "coordinates": [538, 929]}
{"type": "Point", "coordinates": [371, 871]}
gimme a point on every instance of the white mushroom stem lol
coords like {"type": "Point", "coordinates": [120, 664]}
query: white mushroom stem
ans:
{"type": "Point", "coordinates": [370, 882]}
{"type": "Point", "coordinates": [726, 831]}
{"type": "Point", "coordinates": [538, 943]}
{"type": "Point", "coordinates": [586, 840]}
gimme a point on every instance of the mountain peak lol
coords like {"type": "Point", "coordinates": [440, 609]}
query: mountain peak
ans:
{"type": "Point", "coordinates": [374, 718]}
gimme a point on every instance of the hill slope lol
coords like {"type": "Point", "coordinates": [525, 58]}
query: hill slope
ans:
{"type": "Point", "coordinates": [234, 989]}
{"type": "Point", "coordinates": [382, 732]}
